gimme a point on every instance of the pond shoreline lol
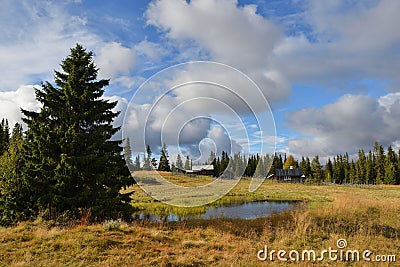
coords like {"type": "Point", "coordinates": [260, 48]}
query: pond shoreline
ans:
{"type": "Point", "coordinates": [236, 210]}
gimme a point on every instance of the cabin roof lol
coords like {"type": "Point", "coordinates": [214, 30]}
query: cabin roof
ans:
{"type": "Point", "coordinates": [203, 167]}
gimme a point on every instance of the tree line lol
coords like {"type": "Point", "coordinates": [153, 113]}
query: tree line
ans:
{"type": "Point", "coordinates": [378, 166]}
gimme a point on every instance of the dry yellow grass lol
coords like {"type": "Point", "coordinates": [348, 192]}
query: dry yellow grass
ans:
{"type": "Point", "coordinates": [368, 218]}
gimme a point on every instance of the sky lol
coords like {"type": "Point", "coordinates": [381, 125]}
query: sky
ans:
{"type": "Point", "coordinates": [309, 77]}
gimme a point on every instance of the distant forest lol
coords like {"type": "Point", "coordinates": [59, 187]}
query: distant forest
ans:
{"type": "Point", "coordinates": [378, 166]}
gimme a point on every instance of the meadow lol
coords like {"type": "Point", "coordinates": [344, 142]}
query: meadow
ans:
{"type": "Point", "coordinates": [367, 217]}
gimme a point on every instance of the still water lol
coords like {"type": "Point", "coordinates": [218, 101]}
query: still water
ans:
{"type": "Point", "coordinates": [247, 210]}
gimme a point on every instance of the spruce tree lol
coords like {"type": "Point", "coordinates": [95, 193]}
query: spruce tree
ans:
{"type": "Point", "coordinates": [179, 163]}
{"type": "Point", "coordinates": [316, 169]}
{"type": "Point", "coordinates": [14, 188]}
{"type": "Point", "coordinates": [187, 163]}
{"type": "Point", "coordinates": [71, 161]}
{"type": "Point", "coordinates": [329, 171]}
{"type": "Point", "coordinates": [128, 154]}
{"type": "Point", "coordinates": [136, 166]}
{"type": "Point", "coordinates": [4, 136]}
{"type": "Point", "coordinates": [164, 162]}
{"type": "Point", "coordinates": [147, 159]}
{"type": "Point", "coordinates": [379, 163]}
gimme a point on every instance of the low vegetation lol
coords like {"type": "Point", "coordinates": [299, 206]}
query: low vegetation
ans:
{"type": "Point", "coordinates": [368, 217]}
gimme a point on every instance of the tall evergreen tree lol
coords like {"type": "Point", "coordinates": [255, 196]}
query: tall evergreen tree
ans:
{"type": "Point", "coordinates": [390, 172]}
{"type": "Point", "coordinates": [329, 171]}
{"type": "Point", "coordinates": [71, 161]}
{"type": "Point", "coordinates": [164, 162]}
{"type": "Point", "coordinates": [179, 163]}
{"type": "Point", "coordinates": [187, 163]}
{"type": "Point", "coordinates": [370, 169]}
{"type": "Point", "coordinates": [4, 135]}
{"type": "Point", "coordinates": [391, 168]}
{"type": "Point", "coordinates": [305, 166]}
{"type": "Point", "coordinates": [147, 159]}
{"type": "Point", "coordinates": [211, 158]}
{"type": "Point", "coordinates": [379, 163]}
{"type": "Point", "coordinates": [128, 154]}
{"type": "Point", "coordinates": [136, 165]}
{"type": "Point", "coordinates": [361, 167]}
{"type": "Point", "coordinates": [224, 161]}
{"type": "Point", "coordinates": [316, 169]}
{"type": "Point", "coordinates": [14, 188]}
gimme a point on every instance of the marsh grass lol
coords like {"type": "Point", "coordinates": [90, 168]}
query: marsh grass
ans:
{"type": "Point", "coordinates": [368, 218]}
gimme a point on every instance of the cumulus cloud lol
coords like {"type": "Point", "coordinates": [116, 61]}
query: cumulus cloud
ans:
{"type": "Point", "coordinates": [12, 101]}
{"type": "Point", "coordinates": [228, 33]}
{"type": "Point", "coordinates": [34, 37]}
{"type": "Point", "coordinates": [348, 41]}
{"type": "Point", "coordinates": [351, 123]}
{"type": "Point", "coordinates": [114, 60]}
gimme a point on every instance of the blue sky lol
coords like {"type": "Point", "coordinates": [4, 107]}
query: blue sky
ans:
{"type": "Point", "coordinates": [329, 69]}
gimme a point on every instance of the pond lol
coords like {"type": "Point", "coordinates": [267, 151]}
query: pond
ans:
{"type": "Point", "coordinates": [246, 210]}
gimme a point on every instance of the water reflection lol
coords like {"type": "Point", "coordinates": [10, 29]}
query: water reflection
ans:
{"type": "Point", "coordinates": [247, 210]}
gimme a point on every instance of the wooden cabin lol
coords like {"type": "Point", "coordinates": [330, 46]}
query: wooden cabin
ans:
{"type": "Point", "coordinates": [291, 175]}
{"type": "Point", "coordinates": [207, 170]}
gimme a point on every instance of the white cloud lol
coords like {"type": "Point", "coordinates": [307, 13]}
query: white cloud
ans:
{"type": "Point", "coordinates": [12, 101]}
{"type": "Point", "coordinates": [349, 41]}
{"type": "Point", "coordinates": [150, 50]}
{"type": "Point", "coordinates": [228, 33]}
{"type": "Point", "coordinates": [114, 60]}
{"type": "Point", "coordinates": [351, 123]}
{"type": "Point", "coordinates": [34, 37]}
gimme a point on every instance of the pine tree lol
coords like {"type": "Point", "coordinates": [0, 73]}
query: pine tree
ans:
{"type": "Point", "coordinates": [224, 161]}
{"type": "Point", "coordinates": [316, 169]}
{"type": "Point", "coordinates": [147, 159]}
{"type": "Point", "coordinates": [305, 166]}
{"type": "Point", "coordinates": [329, 171]}
{"type": "Point", "coordinates": [211, 158]}
{"type": "Point", "coordinates": [14, 188]}
{"type": "Point", "coordinates": [361, 168]}
{"type": "Point", "coordinates": [154, 163]}
{"type": "Point", "coordinates": [391, 168]}
{"type": "Point", "coordinates": [280, 162]}
{"type": "Point", "coordinates": [370, 169]}
{"type": "Point", "coordinates": [187, 163]}
{"type": "Point", "coordinates": [71, 161]}
{"type": "Point", "coordinates": [164, 162]}
{"type": "Point", "coordinates": [128, 154]}
{"type": "Point", "coordinates": [352, 173]}
{"type": "Point", "coordinates": [4, 136]}
{"type": "Point", "coordinates": [179, 163]}
{"type": "Point", "coordinates": [379, 163]}
{"type": "Point", "coordinates": [136, 165]}
{"type": "Point", "coordinates": [217, 166]}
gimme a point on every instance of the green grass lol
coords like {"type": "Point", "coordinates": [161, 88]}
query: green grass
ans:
{"type": "Point", "coordinates": [368, 218]}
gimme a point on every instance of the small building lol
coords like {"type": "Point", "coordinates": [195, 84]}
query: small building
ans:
{"type": "Point", "coordinates": [291, 175]}
{"type": "Point", "coordinates": [207, 170]}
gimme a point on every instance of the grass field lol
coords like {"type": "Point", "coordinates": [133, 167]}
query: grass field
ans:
{"type": "Point", "coordinates": [367, 217]}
